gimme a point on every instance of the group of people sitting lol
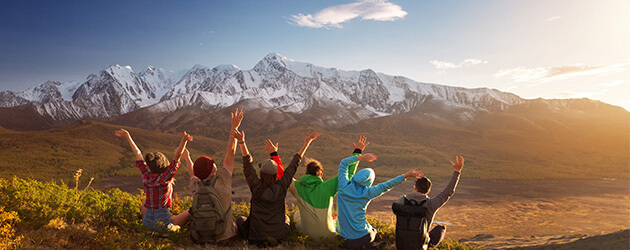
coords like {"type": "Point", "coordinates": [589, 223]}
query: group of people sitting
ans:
{"type": "Point", "coordinates": [212, 222]}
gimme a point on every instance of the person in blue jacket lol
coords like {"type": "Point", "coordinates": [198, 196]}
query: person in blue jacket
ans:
{"type": "Point", "coordinates": [355, 195]}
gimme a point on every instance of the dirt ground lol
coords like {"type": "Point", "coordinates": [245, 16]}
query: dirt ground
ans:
{"type": "Point", "coordinates": [496, 214]}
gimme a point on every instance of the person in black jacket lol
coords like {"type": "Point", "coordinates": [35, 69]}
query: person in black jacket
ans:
{"type": "Point", "coordinates": [420, 196]}
{"type": "Point", "coordinates": [267, 224]}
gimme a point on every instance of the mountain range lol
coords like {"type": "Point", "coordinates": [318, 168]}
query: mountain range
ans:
{"type": "Point", "coordinates": [409, 123]}
{"type": "Point", "coordinates": [275, 83]}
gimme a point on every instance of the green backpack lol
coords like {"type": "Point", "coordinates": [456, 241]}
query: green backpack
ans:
{"type": "Point", "coordinates": [208, 220]}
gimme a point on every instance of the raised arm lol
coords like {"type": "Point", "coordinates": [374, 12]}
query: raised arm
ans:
{"type": "Point", "coordinates": [343, 167]}
{"type": "Point", "coordinates": [439, 200]}
{"type": "Point", "coordinates": [358, 149]}
{"type": "Point", "coordinates": [332, 183]}
{"type": "Point", "coordinates": [240, 137]}
{"type": "Point", "coordinates": [307, 142]}
{"type": "Point", "coordinates": [248, 168]}
{"type": "Point", "coordinates": [182, 145]}
{"type": "Point", "coordinates": [273, 153]}
{"type": "Point", "coordinates": [189, 163]}
{"type": "Point", "coordinates": [384, 187]}
{"type": "Point", "coordinates": [125, 134]}
{"type": "Point", "coordinates": [235, 120]}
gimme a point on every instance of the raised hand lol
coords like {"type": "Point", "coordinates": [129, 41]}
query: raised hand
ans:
{"type": "Point", "coordinates": [239, 136]}
{"type": "Point", "coordinates": [361, 144]}
{"type": "Point", "coordinates": [121, 133]}
{"type": "Point", "coordinates": [187, 137]}
{"type": "Point", "coordinates": [459, 163]}
{"type": "Point", "coordinates": [185, 153]}
{"type": "Point", "coordinates": [311, 137]}
{"type": "Point", "coordinates": [235, 118]}
{"type": "Point", "coordinates": [270, 147]}
{"type": "Point", "coordinates": [367, 157]}
{"type": "Point", "coordinates": [413, 173]}
{"type": "Point", "coordinates": [125, 134]}
{"type": "Point", "coordinates": [307, 141]}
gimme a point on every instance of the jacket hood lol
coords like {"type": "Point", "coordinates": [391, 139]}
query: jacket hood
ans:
{"type": "Point", "coordinates": [365, 177]}
{"type": "Point", "coordinates": [308, 180]}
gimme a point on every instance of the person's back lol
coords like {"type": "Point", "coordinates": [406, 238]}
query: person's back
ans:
{"type": "Point", "coordinates": [267, 214]}
{"type": "Point", "coordinates": [315, 198]}
{"type": "Point", "coordinates": [420, 195]}
{"type": "Point", "coordinates": [223, 188]}
{"type": "Point", "coordinates": [211, 219]}
{"type": "Point", "coordinates": [412, 229]}
{"type": "Point", "coordinates": [353, 198]}
{"type": "Point", "coordinates": [267, 224]}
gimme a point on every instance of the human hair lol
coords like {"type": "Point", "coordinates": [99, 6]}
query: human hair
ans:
{"type": "Point", "coordinates": [314, 167]}
{"type": "Point", "coordinates": [423, 185]}
{"type": "Point", "coordinates": [157, 162]}
{"type": "Point", "coordinates": [266, 179]}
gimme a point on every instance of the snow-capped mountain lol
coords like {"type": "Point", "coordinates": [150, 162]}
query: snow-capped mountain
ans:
{"type": "Point", "coordinates": [292, 86]}
{"type": "Point", "coordinates": [274, 83]}
{"type": "Point", "coordinates": [113, 91]}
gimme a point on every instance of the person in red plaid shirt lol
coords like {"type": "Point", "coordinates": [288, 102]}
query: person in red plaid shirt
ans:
{"type": "Point", "coordinates": [157, 178]}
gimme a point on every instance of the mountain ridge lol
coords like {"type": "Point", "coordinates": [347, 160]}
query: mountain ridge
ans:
{"type": "Point", "coordinates": [275, 82]}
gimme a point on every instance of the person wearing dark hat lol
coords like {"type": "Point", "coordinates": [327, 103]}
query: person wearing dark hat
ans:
{"type": "Point", "coordinates": [267, 224]}
{"type": "Point", "coordinates": [420, 196]}
{"type": "Point", "coordinates": [204, 168]}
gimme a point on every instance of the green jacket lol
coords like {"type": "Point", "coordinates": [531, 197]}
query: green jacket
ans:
{"type": "Point", "coordinates": [315, 199]}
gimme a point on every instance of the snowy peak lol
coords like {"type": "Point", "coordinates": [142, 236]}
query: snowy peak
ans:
{"type": "Point", "coordinates": [228, 68]}
{"type": "Point", "coordinates": [275, 82]}
{"type": "Point", "coordinates": [292, 86]}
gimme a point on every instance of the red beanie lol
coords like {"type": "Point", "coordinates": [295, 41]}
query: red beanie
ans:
{"type": "Point", "coordinates": [204, 167]}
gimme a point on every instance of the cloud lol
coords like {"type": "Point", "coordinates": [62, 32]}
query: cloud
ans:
{"type": "Point", "coordinates": [575, 95]}
{"type": "Point", "coordinates": [611, 84]}
{"type": "Point", "coordinates": [551, 19]}
{"type": "Point", "coordinates": [336, 15]}
{"type": "Point", "coordinates": [443, 65]}
{"type": "Point", "coordinates": [546, 74]}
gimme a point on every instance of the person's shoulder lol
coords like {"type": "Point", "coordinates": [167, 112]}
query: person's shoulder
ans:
{"type": "Point", "coordinates": [224, 175]}
{"type": "Point", "coordinates": [195, 179]}
{"type": "Point", "coordinates": [173, 163]}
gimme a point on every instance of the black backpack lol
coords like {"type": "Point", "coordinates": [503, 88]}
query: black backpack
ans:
{"type": "Point", "coordinates": [208, 221]}
{"type": "Point", "coordinates": [412, 230]}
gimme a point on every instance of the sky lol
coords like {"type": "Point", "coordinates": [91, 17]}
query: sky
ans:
{"type": "Point", "coordinates": [533, 48]}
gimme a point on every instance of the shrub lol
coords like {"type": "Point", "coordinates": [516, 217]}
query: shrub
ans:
{"type": "Point", "coordinates": [8, 219]}
{"type": "Point", "coordinates": [53, 215]}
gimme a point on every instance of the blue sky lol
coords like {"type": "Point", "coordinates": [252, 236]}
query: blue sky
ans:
{"type": "Point", "coordinates": [549, 49]}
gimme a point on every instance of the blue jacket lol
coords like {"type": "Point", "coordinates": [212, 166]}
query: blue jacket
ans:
{"type": "Point", "coordinates": [354, 196]}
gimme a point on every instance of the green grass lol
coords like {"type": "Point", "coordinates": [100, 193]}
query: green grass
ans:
{"type": "Point", "coordinates": [35, 214]}
{"type": "Point", "coordinates": [493, 153]}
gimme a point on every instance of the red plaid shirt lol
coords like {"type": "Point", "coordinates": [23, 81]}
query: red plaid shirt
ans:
{"type": "Point", "coordinates": [158, 187]}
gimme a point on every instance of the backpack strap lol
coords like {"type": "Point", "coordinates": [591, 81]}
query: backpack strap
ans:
{"type": "Point", "coordinates": [413, 202]}
{"type": "Point", "coordinates": [211, 182]}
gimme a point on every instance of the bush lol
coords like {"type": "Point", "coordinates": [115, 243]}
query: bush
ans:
{"type": "Point", "coordinates": [7, 232]}
{"type": "Point", "coordinates": [52, 215]}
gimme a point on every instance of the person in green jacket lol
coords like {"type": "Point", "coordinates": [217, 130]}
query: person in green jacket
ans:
{"type": "Point", "coordinates": [315, 196]}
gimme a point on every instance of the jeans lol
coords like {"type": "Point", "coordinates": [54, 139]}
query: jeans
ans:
{"type": "Point", "coordinates": [153, 216]}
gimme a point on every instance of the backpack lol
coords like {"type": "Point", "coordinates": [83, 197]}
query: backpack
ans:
{"type": "Point", "coordinates": [412, 230]}
{"type": "Point", "coordinates": [208, 221]}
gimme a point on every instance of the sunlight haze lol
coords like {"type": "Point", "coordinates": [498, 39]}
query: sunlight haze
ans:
{"type": "Point", "coordinates": [535, 49]}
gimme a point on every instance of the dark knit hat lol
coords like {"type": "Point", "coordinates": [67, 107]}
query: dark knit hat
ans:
{"type": "Point", "coordinates": [157, 162]}
{"type": "Point", "coordinates": [204, 167]}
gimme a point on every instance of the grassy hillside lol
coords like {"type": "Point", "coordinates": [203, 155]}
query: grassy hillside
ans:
{"type": "Point", "coordinates": [498, 146]}
{"type": "Point", "coordinates": [34, 214]}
